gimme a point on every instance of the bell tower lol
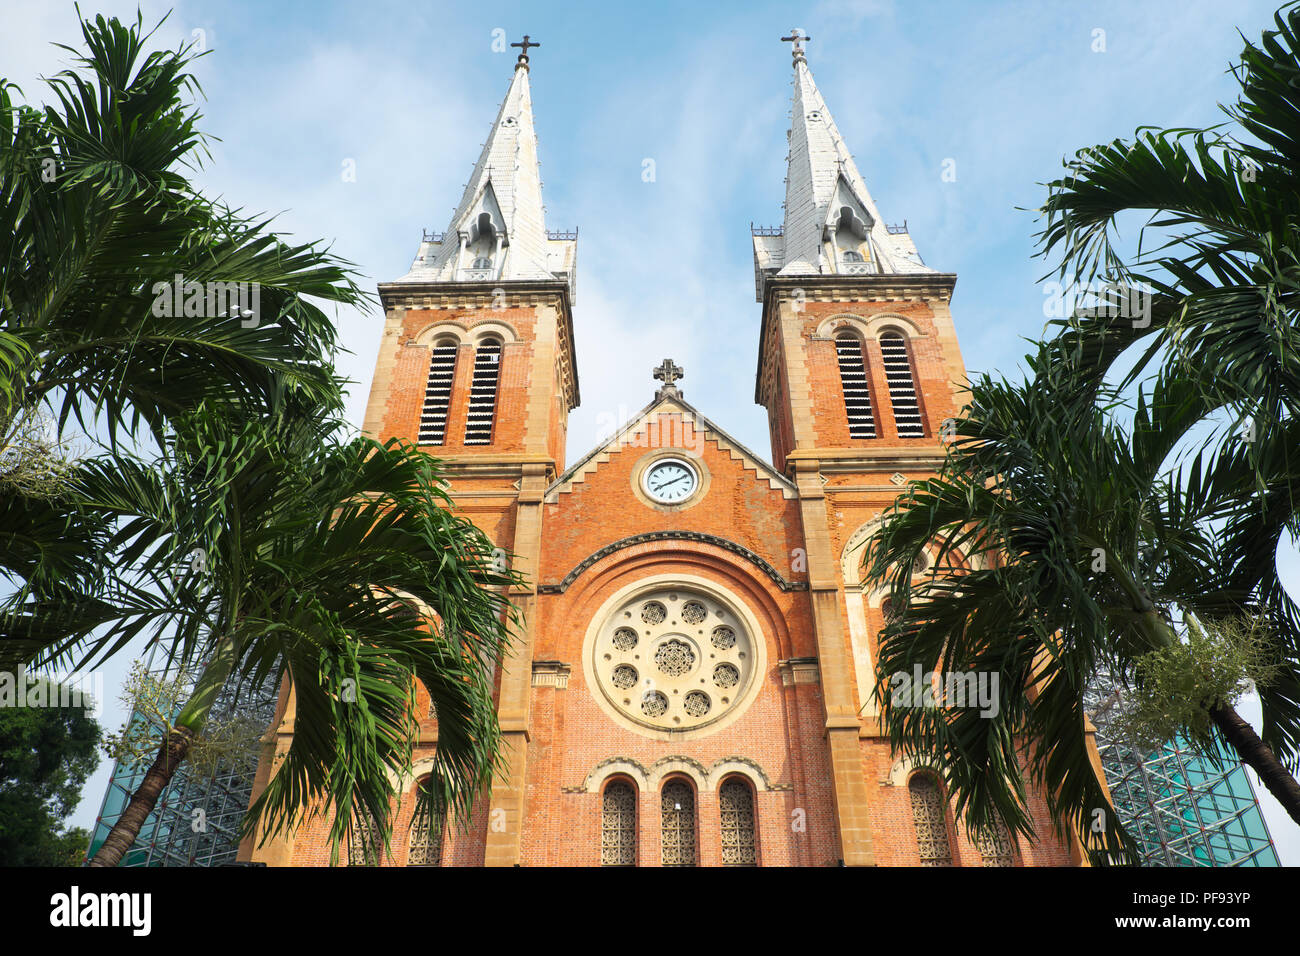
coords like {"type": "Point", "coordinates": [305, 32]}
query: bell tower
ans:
{"type": "Point", "coordinates": [858, 367]}
{"type": "Point", "coordinates": [477, 366]}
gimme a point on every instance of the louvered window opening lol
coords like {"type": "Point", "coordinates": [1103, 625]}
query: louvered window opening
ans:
{"type": "Point", "coordinates": [931, 821]}
{"type": "Point", "coordinates": [902, 387]}
{"type": "Point", "coordinates": [483, 395]}
{"type": "Point", "coordinates": [363, 842]}
{"type": "Point", "coordinates": [857, 394]}
{"type": "Point", "coordinates": [995, 848]}
{"type": "Point", "coordinates": [437, 395]}
{"type": "Point", "coordinates": [618, 826]}
{"type": "Point", "coordinates": [736, 801]}
{"type": "Point", "coordinates": [426, 835]}
{"type": "Point", "coordinates": [678, 824]}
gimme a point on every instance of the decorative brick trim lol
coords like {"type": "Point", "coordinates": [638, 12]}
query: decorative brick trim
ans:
{"type": "Point", "coordinates": [699, 536]}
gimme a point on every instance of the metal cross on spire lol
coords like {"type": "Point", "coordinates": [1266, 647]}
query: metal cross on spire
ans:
{"type": "Point", "coordinates": [668, 373]}
{"type": "Point", "coordinates": [796, 38]}
{"type": "Point", "coordinates": [523, 50]}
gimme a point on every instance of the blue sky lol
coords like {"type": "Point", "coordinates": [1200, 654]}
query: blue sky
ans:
{"type": "Point", "coordinates": [295, 90]}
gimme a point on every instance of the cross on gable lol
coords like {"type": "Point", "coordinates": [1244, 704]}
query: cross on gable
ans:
{"type": "Point", "coordinates": [669, 372]}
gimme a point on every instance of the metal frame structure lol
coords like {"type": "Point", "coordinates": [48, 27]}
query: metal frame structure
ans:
{"type": "Point", "coordinates": [196, 820]}
{"type": "Point", "coordinates": [1182, 807]}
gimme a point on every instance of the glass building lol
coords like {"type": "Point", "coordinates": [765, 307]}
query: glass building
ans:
{"type": "Point", "coordinates": [1183, 808]}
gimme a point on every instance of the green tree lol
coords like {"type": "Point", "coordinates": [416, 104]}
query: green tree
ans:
{"type": "Point", "coordinates": [46, 754]}
{"type": "Point", "coordinates": [1076, 536]}
{"type": "Point", "coordinates": [280, 547]}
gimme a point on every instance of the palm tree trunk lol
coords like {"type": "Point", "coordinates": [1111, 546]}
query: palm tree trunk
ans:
{"type": "Point", "coordinates": [127, 828]}
{"type": "Point", "coordinates": [1257, 755]}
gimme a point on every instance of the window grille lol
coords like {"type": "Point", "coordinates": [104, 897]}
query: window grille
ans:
{"type": "Point", "coordinates": [437, 395]}
{"type": "Point", "coordinates": [363, 841]}
{"type": "Point", "coordinates": [928, 813]}
{"type": "Point", "coordinates": [618, 825]}
{"type": "Point", "coordinates": [902, 387]}
{"type": "Point", "coordinates": [426, 830]}
{"type": "Point", "coordinates": [857, 393]}
{"type": "Point", "coordinates": [995, 847]}
{"type": "Point", "coordinates": [483, 394]}
{"type": "Point", "coordinates": [678, 824]}
{"type": "Point", "coordinates": [736, 801]}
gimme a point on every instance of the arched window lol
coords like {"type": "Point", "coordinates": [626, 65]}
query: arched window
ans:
{"type": "Point", "coordinates": [857, 392]}
{"type": "Point", "coordinates": [426, 828]}
{"type": "Point", "coordinates": [618, 825]}
{"type": "Point", "coordinates": [902, 387]}
{"type": "Point", "coordinates": [437, 393]}
{"type": "Point", "coordinates": [929, 814]}
{"type": "Point", "coordinates": [736, 803]}
{"type": "Point", "coordinates": [482, 262]}
{"type": "Point", "coordinates": [483, 393]}
{"type": "Point", "coordinates": [678, 806]}
{"type": "Point", "coordinates": [363, 841]}
{"type": "Point", "coordinates": [851, 256]}
{"type": "Point", "coordinates": [995, 847]}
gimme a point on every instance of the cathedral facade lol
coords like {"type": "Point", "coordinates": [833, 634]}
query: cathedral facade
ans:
{"type": "Point", "coordinates": [693, 681]}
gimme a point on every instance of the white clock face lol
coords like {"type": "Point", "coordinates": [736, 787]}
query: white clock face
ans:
{"type": "Point", "coordinates": [670, 481]}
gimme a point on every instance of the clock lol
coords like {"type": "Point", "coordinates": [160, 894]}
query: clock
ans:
{"type": "Point", "coordinates": [670, 481]}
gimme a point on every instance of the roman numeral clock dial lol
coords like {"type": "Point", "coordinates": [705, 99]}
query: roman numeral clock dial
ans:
{"type": "Point", "coordinates": [670, 481]}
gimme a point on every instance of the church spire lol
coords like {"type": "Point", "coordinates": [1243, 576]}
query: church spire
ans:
{"type": "Point", "coordinates": [498, 231]}
{"type": "Point", "coordinates": [832, 225]}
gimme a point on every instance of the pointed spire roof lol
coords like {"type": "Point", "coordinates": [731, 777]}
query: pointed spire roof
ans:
{"type": "Point", "coordinates": [500, 217]}
{"type": "Point", "coordinates": [825, 193]}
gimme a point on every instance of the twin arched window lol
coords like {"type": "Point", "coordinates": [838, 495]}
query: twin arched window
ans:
{"type": "Point", "coordinates": [481, 414]}
{"type": "Point", "coordinates": [899, 379]}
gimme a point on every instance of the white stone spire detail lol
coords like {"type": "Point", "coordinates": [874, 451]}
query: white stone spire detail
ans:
{"type": "Point", "coordinates": [498, 231]}
{"type": "Point", "coordinates": [832, 225]}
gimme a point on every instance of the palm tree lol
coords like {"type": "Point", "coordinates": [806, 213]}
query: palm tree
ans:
{"type": "Point", "coordinates": [277, 547]}
{"type": "Point", "coordinates": [1224, 274]}
{"type": "Point", "coordinates": [1065, 544]}
{"type": "Point", "coordinates": [96, 217]}
{"type": "Point", "coordinates": [96, 214]}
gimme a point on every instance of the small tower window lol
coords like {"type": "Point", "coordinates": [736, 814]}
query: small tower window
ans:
{"type": "Point", "coordinates": [857, 391]}
{"type": "Point", "coordinates": [902, 386]}
{"type": "Point", "coordinates": [678, 807]}
{"type": "Point", "coordinates": [483, 393]}
{"type": "Point", "coordinates": [995, 847]}
{"type": "Point", "coordinates": [482, 262]}
{"type": "Point", "coordinates": [736, 803]}
{"type": "Point", "coordinates": [851, 256]}
{"type": "Point", "coordinates": [426, 829]}
{"type": "Point", "coordinates": [363, 841]}
{"type": "Point", "coordinates": [437, 394]}
{"type": "Point", "coordinates": [930, 817]}
{"type": "Point", "coordinates": [618, 825]}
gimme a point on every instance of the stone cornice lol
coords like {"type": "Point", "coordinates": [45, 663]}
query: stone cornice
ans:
{"type": "Point", "coordinates": [460, 295]}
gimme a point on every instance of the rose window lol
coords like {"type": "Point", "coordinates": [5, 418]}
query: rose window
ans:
{"type": "Point", "coordinates": [676, 658]}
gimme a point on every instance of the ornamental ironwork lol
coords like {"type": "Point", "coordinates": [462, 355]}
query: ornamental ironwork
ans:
{"type": "Point", "coordinates": [736, 803]}
{"type": "Point", "coordinates": [618, 826]}
{"type": "Point", "coordinates": [931, 820]}
{"type": "Point", "coordinates": [678, 831]}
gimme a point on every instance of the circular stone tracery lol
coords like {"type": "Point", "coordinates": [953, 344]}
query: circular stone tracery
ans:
{"type": "Point", "coordinates": [673, 658]}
